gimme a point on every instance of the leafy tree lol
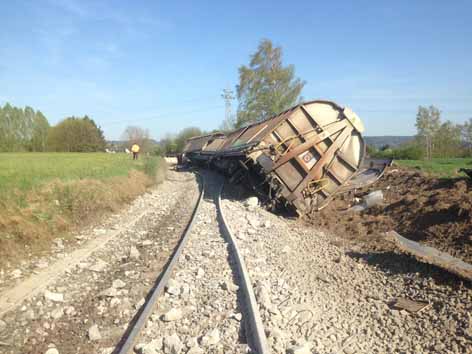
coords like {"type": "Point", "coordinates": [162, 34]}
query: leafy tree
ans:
{"type": "Point", "coordinates": [266, 87]}
{"type": "Point", "coordinates": [100, 140]}
{"type": "Point", "coordinates": [372, 151]}
{"type": "Point", "coordinates": [428, 120]}
{"type": "Point", "coordinates": [39, 135]}
{"type": "Point", "coordinates": [22, 129]}
{"type": "Point", "coordinates": [175, 144]}
{"type": "Point", "coordinates": [466, 135]}
{"type": "Point", "coordinates": [447, 142]}
{"type": "Point", "coordinates": [76, 135]}
{"type": "Point", "coordinates": [168, 145]}
{"type": "Point", "coordinates": [184, 135]}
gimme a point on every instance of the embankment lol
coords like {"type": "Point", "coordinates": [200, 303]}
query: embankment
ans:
{"type": "Point", "coordinates": [31, 219]}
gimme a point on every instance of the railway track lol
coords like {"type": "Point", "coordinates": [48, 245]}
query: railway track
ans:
{"type": "Point", "coordinates": [252, 328]}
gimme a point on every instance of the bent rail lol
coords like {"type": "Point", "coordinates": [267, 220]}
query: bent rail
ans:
{"type": "Point", "coordinates": [254, 328]}
{"type": "Point", "coordinates": [132, 335]}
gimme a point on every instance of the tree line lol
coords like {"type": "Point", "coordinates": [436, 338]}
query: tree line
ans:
{"type": "Point", "coordinates": [434, 138]}
{"type": "Point", "coordinates": [24, 129]}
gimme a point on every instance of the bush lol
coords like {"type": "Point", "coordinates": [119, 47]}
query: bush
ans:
{"type": "Point", "coordinates": [157, 151]}
{"type": "Point", "coordinates": [155, 167]}
{"type": "Point", "coordinates": [403, 152]}
{"type": "Point", "coordinates": [411, 152]}
{"type": "Point", "coordinates": [150, 166]}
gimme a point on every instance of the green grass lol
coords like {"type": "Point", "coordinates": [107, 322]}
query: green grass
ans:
{"type": "Point", "coordinates": [25, 171]}
{"type": "Point", "coordinates": [439, 167]}
{"type": "Point", "coordinates": [45, 195]}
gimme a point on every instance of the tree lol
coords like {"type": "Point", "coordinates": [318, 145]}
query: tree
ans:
{"type": "Point", "coordinates": [168, 145]}
{"type": "Point", "coordinates": [466, 134]}
{"type": "Point", "coordinates": [22, 129]}
{"type": "Point", "coordinates": [100, 141]}
{"type": "Point", "coordinates": [76, 135]}
{"type": "Point", "coordinates": [266, 87]}
{"type": "Point", "coordinates": [184, 135]}
{"type": "Point", "coordinates": [137, 135]}
{"type": "Point", "coordinates": [428, 122]}
{"type": "Point", "coordinates": [39, 136]}
{"type": "Point", "coordinates": [447, 142]}
{"type": "Point", "coordinates": [174, 144]}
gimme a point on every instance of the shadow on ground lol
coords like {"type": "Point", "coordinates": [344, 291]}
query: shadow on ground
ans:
{"type": "Point", "coordinates": [397, 263]}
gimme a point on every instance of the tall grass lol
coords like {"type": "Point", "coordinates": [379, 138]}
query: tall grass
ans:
{"type": "Point", "coordinates": [43, 195]}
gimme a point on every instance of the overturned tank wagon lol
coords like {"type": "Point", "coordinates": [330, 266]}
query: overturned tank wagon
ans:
{"type": "Point", "coordinates": [301, 158]}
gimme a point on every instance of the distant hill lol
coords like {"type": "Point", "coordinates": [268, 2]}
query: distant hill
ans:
{"type": "Point", "coordinates": [391, 140]}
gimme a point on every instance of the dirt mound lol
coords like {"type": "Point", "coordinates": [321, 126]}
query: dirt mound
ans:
{"type": "Point", "coordinates": [435, 212]}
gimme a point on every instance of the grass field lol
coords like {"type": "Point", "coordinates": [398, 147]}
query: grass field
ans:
{"type": "Point", "coordinates": [46, 195]}
{"type": "Point", "coordinates": [439, 167]}
{"type": "Point", "coordinates": [24, 171]}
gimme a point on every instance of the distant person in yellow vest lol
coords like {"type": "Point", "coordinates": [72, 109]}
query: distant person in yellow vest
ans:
{"type": "Point", "coordinates": [135, 151]}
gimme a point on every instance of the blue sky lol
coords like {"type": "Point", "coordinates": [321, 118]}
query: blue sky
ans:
{"type": "Point", "coordinates": [162, 65]}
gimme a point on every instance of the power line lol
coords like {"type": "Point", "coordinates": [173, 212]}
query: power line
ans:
{"type": "Point", "coordinates": [228, 96]}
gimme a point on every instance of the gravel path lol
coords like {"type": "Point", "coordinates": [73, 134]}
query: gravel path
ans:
{"type": "Point", "coordinates": [88, 309]}
{"type": "Point", "coordinates": [318, 297]}
{"type": "Point", "coordinates": [199, 312]}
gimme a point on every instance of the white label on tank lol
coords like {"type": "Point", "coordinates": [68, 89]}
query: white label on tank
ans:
{"type": "Point", "coordinates": [308, 159]}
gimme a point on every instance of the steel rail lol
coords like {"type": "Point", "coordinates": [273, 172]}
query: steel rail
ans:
{"type": "Point", "coordinates": [255, 333]}
{"type": "Point", "coordinates": [133, 334]}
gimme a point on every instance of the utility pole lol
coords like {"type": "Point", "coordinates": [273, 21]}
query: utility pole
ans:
{"type": "Point", "coordinates": [227, 95]}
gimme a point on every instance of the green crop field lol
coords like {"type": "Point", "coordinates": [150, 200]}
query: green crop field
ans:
{"type": "Point", "coordinates": [24, 171]}
{"type": "Point", "coordinates": [439, 167]}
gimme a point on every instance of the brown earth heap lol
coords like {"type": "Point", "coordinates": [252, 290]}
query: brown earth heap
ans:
{"type": "Point", "coordinates": [435, 212]}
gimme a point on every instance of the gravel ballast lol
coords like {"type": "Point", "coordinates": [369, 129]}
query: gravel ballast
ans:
{"type": "Point", "coordinates": [318, 297]}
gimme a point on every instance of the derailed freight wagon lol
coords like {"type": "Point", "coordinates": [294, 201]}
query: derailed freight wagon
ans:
{"type": "Point", "coordinates": [194, 146]}
{"type": "Point", "coordinates": [301, 157]}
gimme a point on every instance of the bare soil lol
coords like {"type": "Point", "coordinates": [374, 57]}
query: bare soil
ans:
{"type": "Point", "coordinates": [432, 211]}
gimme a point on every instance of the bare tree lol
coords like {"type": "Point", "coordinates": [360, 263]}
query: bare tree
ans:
{"type": "Point", "coordinates": [137, 135]}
